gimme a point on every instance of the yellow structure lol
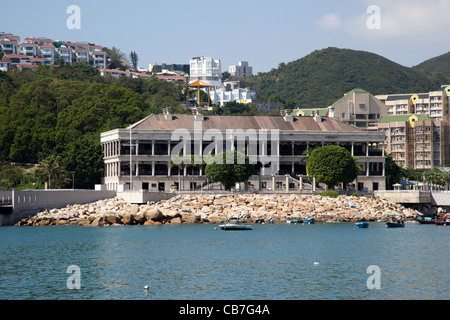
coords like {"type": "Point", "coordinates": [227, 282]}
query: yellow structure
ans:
{"type": "Point", "coordinates": [199, 85]}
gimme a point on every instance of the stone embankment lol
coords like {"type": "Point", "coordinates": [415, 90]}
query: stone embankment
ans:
{"type": "Point", "coordinates": [218, 208]}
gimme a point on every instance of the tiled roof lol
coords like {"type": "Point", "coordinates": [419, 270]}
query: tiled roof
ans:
{"type": "Point", "coordinates": [186, 121]}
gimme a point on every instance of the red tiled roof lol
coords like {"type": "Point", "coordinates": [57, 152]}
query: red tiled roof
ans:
{"type": "Point", "coordinates": [16, 56]}
{"type": "Point", "coordinates": [27, 65]}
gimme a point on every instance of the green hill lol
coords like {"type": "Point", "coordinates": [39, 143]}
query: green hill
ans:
{"type": "Point", "coordinates": [439, 64]}
{"type": "Point", "coordinates": [325, 75]}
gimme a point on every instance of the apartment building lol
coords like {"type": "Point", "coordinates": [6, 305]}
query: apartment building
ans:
{"type": "Point", "coordinates": [206, 69]}
{"type": "Point", "coordinates": [242, 69]}
{"type": "Point", "coordinates": [139, 157]}
{"type": "Point", "coordinates": [434, 104]}
{"type": "Point", "coordinates": [416, 141]}
{"type": "Point", "coordinates": [49, 50]}
{"type": "Point", "coordinates": [240, 95]}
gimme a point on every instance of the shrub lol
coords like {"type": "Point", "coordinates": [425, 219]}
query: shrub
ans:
{"type": "Point", "coordinates": [330, 193]}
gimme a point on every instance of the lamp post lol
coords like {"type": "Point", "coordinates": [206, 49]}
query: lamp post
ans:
{"type": "Point", "coordinates": [73, 179]}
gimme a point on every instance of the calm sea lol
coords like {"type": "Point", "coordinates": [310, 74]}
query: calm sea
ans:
{"type": "Point", "coordinates": [197, 262]}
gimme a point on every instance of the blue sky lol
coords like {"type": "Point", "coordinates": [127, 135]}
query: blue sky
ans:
{"type": "Point", "coordinates": [263, 32]}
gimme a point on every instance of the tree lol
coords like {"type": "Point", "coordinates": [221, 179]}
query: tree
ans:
{"type": "Point", "coordinates": [57, 174]}
{"type": "Point", "coordinates": [116, 59]}
{"type": "Point", "coordinates": [393, 172]}
{"type": "Point", "coordinates": [240, 170]}
{"type": "Point", "coordinates": [134, 59]}
{"type": "Point", "coordinates": [332, 164]}
{"type": "Point", "coordinates": [10, 176]}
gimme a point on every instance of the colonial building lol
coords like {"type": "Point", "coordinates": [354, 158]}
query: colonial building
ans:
{"type": "Point", "coordinates": [139, 157]}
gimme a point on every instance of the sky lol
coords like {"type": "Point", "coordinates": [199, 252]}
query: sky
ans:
{"type": "Point", "coordinates": [264, 32]}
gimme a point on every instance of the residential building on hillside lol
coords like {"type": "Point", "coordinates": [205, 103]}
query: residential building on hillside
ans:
{"type": "Point", "coordinates": [169, 68]}
{"type": "Point", "coordinates": [206, 69]}
{"type": "Point", "coordinates": [240, 95]}
{"type": "Point", "coordinates": [139, 157]}
{"type": "Point", "coordinates": [49, 50]}
{"type": "Point", "coordinates": [4, 64]}
{"type": "Point", "coordinates": [242, 69]}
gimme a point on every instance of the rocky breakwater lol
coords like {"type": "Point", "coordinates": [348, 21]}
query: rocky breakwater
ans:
{"type": "Point", "coordinates": [217, 208]}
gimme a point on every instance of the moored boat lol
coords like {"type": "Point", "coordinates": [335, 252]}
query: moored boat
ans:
{"type": "Point", "coordinates": [396, 221]}
{"type": "Point", "coordinates": [426, 220]}
{"type": "Point", "coordinates": [443, 222]}
{"type": "Point", "coordinates": [234, 224]}
{"type": "Point", "coordinates": [309, 221]}
{"type": "Point", "coordinates": [395, 224]}
{"type": "Point", "coordinates": [362, 224]}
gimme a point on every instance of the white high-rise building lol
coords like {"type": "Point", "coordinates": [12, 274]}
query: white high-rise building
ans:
{"type": "Point", "coordinates": [242, 69]}
{"type": "Point", "coordinates": [206, 69]}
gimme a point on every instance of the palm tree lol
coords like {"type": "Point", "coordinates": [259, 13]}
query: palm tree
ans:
{"type": "Point", "coordinates": [53, 168]}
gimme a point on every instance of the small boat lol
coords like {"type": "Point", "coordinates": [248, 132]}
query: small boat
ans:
{"type": "Point", "coordinates": [395, 223]}
{"type": "Point", "coordinates": [362, 224]}
{"type": "Point", "coordinates": [426, 220]}
{"type": "Point", "coordinates": [234, 224]}
{"type": "Point", "coordinates": [443, 222]}
{"type": "Point", "coordinates": [309, 221]}
{"type": "Point", "coordinates": [294, 221]}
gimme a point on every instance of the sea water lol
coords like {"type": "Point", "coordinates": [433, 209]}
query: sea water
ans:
{"type": "Point", "coordinates": [200, 261]}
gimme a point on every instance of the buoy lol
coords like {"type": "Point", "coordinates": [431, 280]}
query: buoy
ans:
{"type": "Point", "coordinates": [316, 263]}
{"type": "Point", "coordinates": [146, 287]}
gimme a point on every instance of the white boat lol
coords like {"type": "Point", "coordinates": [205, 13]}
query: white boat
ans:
{"type": "Point", "coordinates": [234, 224]}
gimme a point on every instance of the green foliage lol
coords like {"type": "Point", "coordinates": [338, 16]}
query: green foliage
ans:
{"type": "Point", "coordinates": [332, 164]}
{"type": "Point", "coordinates": [438, 66]}
{"type": "Point", "coordinates": [10, 176]}
{"type": "Point", "coordinates": [323, 76]}
{"type": "Point", "coordinates": [392, 171]}
{"type": "Point", "coordinates": [240, 170]}
{"type": "Point", "coordinates": [62, 111]}
{"type": "Point", "coordinates": [330, 193]}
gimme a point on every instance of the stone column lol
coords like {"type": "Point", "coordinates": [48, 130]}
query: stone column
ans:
{"type": "Point", "coordinates": [300, 183]}
{"type": "Point", "coordinates": [273, 182]}
{"type": "Point", "coordinates": [287, 183]}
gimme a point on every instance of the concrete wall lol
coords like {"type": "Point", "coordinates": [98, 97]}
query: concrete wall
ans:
{"type": "Point", "coordinates": [403, 196]}
{"type": "Point", "coordinates": [440, 198]}
{"type": "Point", "coordinates": [29, 203]}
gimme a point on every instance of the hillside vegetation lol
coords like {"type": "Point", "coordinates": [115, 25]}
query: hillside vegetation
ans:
{"type": "Point", "coordinates": [324, 76]}
{"type": "Point", "coordinates": [439, 65]}
{"type": "Point", "coordinates": [62, 111]}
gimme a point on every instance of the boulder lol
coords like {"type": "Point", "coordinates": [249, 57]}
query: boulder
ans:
{"type": "Point", "coordinates": [127, 219]}
{"type": "Point", "coordinates": [155, 214]}
{"type": "Point", "coordinates": [98, 222]}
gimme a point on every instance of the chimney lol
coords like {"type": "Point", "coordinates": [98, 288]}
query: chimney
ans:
{"type": "Point", "coordinates": [197, 115]}
{"type": "Point", "coordinates": [316, 116]}
{"type": "Point", "coordinates": [286, 114]}
{"type": "Point", "coordinates": [331, 112]}
{"type": "Point", "coordinates": [167, 115]}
